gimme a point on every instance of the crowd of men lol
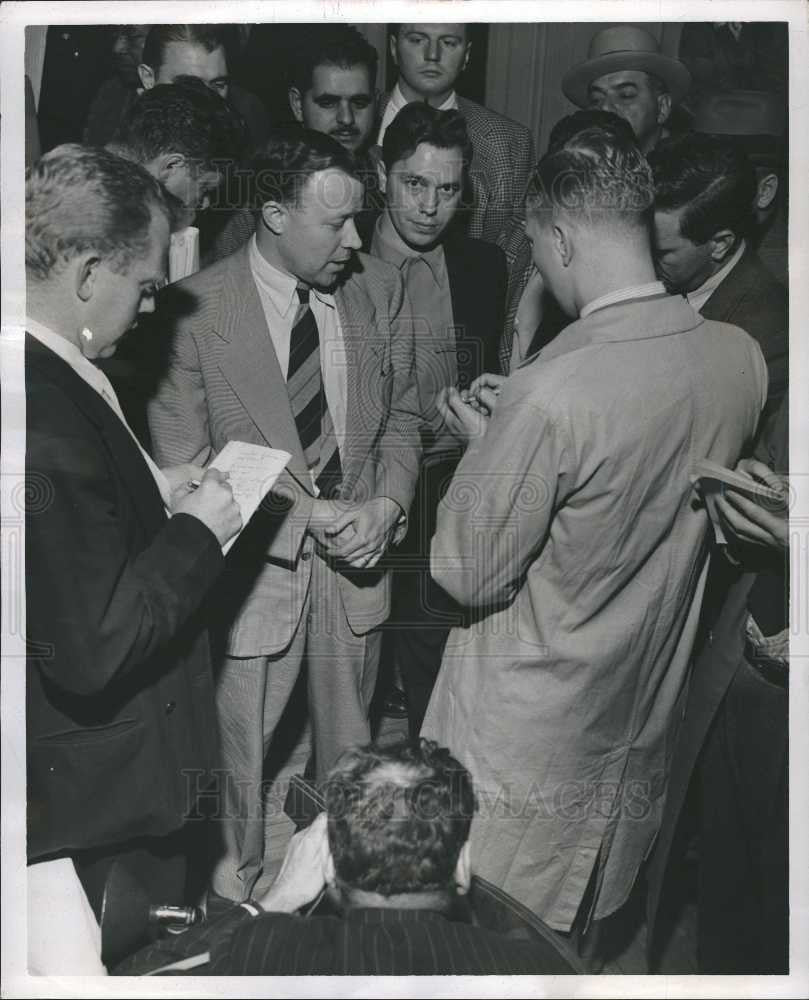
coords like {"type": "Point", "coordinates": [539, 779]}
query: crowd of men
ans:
{"type": "Point", "coordinates": [493, 377]}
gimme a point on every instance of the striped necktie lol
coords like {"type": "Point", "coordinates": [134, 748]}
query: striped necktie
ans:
{"type": "Point", "coordinates": [307, 398]}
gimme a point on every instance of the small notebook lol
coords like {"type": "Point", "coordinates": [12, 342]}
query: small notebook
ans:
{"type": "Point", "coordinates": [714, 480]}
{"type": "Point", "coordinates": [252, 471]}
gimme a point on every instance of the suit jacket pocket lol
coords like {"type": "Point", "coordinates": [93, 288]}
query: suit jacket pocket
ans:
{"type": "Point", "coordinates": [89, 734]}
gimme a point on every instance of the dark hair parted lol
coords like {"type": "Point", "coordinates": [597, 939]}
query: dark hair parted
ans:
{"type": "Point", "coordinates": [332, 45]}
{"type": "Point", "coordinates": [398, 817]}
{"type": "Point", "coordinates": [567, 128]}
{"type": "Point", "coordinates": [417, 123]}
{"type": "Point", "coordinates": [283, 165]}
{"type": "Point", "coordinates": [182, 117]}
{"type": "Point", "coordinates": [596, 174]}
{"type": "Point", "coordinates": [81, 198]}
{"type": "Point", "coordinates": [209, 36]}
{"type": "Point", "coordinates": [710, 178]}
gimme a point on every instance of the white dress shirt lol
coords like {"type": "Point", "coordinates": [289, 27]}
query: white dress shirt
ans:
{"type": "Point", "coordinates": [623, 295]}
{"type": "Point", "coordinates": [700, 296]}
{"type": "Point", "coordinates": [279, 300]}
{"type": "Point", "coordinates": [397, 101]}
{"type": "Point", "coordinates": [97, 380]}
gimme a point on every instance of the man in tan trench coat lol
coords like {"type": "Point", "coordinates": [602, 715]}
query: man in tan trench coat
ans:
{"type": "Point", "coordinates": [571, 533]}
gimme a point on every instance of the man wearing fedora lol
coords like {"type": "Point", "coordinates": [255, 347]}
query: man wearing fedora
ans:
{"type": "Point", "coordinates": [756, 122]}
{"type": "Point", "coordinates": [625, 72]}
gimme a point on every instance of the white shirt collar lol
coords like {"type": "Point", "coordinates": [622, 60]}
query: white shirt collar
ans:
{"type": "Point", "coordinates": [622, 295]}
{"type": "Point", "coordinates": [397, 100]}
{"type": "Point", "coordinates": [700, 296]}
{"type": "Point", "coordinates": [279, 286]}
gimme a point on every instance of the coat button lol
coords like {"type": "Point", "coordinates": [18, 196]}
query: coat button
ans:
{"type": "Point", "coordinates": [170, 706]}
{"type": "Point", "coordinates": [306, 554]}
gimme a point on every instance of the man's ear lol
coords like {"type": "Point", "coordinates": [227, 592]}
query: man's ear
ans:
{"type": "Point", "coordinates": [296, 103]}
{"type": "Point", "coordinates": [85, 276]}
{"type": "Point", "coordinates": [723, 243]}
{"type": "Point", "coordinates": [166, 165]}
{"type": "Point", "coordinates": [663, 108]}
{"type": "Point", "coordinates": [466, 57]}
{"type": "Point", "coordinates": [766, 191]}
{"type": "Point", "coordinates": [328, 868]}
{"type": "Point", "coordinates": [382, 172]}
{"type": "Point", "coordinates": [563, 245]}
{"type": "Point", "coordinates": [147, 76]}
{"type": "Point", "coordinates": [463, 870]}
{"type": "Point", "coordinates": [275, 216]}
{"type": "Point", "coordinates": [392, 40]}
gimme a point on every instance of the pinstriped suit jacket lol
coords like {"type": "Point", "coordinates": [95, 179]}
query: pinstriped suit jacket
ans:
{"type": "Point", "coordinates": [223, 383]}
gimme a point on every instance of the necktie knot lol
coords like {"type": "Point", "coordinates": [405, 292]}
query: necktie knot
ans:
{"type": "Point", "coordinates": [303, 295]}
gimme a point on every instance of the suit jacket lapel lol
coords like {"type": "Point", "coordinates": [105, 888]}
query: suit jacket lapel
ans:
{"type": "Point", "coordinates": [250, 365]}
{"type": "Point", "coordinates": [365, 360]}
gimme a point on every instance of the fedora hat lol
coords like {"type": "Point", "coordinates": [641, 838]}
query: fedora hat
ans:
{"type": "Point", "coordinates": [623, 46]}
{"type": "Point", "coordinates": [756, 120]}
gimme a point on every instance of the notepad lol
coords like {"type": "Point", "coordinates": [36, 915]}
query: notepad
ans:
{"type": "Point", "coordinates": [714, 480]}
{"type": "Point", "coordinates": [252, 471]}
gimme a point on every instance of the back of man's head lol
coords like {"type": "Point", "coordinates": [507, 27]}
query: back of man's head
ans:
{"type": "Point", "coordinates": [338, 45]}
{"type": "Point", "coordinates": [184, 117]}
{"type": "Point", "coordinates": [612, 125]}
{"type": "Point", "coordinates": [595, 175]}
{"type": "Point", "coordinates": [707, 178]}
{"type": "Point", "coordinates": [80, 199]}
{"type": "Point", "coordinates": [398, 818]}
{"type": "Point", "coordinates": [207, 36]}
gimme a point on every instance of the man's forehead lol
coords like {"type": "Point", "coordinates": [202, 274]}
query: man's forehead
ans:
{"type": "Point", "coordinates": [345, 81]}
{"type": "Point", "coordinates": [433, 162]}
{"type": "Point", "coordinates": [333, 192]}
{"type": "Point", "coordinates": [437, 30]}
{"type": "Point", "coordinates": [619, 77]}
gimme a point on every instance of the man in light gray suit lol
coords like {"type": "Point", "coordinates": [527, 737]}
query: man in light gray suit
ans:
{"type": "Point", "coordinates": [297, 342]}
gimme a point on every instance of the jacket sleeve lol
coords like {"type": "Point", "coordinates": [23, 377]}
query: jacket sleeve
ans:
{"type": "Point", "coordinates": [100, 607]}
{"type": "Point", "coordinates": [178, 410]}
{"type": "Point", "coordinates": [522, 160]}
{"type": "Point", "coordinates": [495, 515]}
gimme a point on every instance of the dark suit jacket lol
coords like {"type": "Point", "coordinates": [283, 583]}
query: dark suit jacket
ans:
{"type": "Point", "coordinates": [119, 700]}
{"type": "Point", "coordinates": [714, 669]}
{"type": "Point", "coordinates": [751, 298]}
{"type": "Point", "coordinates": [365, 942]}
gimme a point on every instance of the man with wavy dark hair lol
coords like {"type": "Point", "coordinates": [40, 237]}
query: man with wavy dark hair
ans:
{"type": "Point", "coordinates": [705, 194]}
{"type": "Point", "coordinates": [185, 135]}
{"type": "Point", "coordinates": [569, 535]}
{"type": "Point", "coordinates": [392, 851]}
